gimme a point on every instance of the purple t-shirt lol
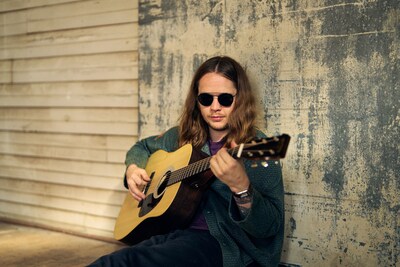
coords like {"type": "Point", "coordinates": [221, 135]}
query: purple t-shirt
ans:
{"type": "Point", "coordinates": [199, 221]}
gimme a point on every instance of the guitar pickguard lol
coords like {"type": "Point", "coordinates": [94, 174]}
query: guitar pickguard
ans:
{"type": "Point", "coordinates": [152, 199]}
{"type": "Point", "coordinates": [148, 204]}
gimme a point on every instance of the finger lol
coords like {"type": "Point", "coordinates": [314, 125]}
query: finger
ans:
{"type": "Point", "coordinates": [136, 187]}
{"type": "Point", "coordinates": [234, 144]}
{"type": "Point", "coordinates": [143, 175]}
{"type": "Point", "coordinates": [135, 196]}
{"type": "Point", "coordinates": [134, 171]}
{"type": "Point", "coordinates": [221, 164]}
{"type": "Point", "coordinates": [133, 192]}
{"type": "Point", "coordinates": [224, 158]}
{"type": "Point", "coordinates": [140, 177]}
{"type": "Point", "coordinates": [133, 189]}
{"type": "Point", "coordinates": [214, 166]}
{"type": "Point", "coordinates": [137, 193]}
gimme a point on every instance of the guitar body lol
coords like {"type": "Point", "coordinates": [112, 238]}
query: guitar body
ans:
{"type": "Point", "coordinates": [164, 209]}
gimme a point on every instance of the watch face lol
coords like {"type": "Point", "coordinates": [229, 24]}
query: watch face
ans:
{"type": "Point", "coordinates": [242, 194]}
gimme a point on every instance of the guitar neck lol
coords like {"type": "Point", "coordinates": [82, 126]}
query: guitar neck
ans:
{"type": "Point", "coordinates": [264, 148]}
{"type": "Point", "coordinates": [189, 171]}
{"type": "Point", "coordinates": [195, 168]}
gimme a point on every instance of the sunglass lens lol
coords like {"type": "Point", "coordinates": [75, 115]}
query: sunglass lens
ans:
{"type": "Point", "coordinates": [205, 99]}
{"type": "Point", "coordinates": [225, 99]}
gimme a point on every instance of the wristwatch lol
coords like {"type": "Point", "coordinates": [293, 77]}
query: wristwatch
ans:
{"type": "Point", "coordinates": [243, 194]}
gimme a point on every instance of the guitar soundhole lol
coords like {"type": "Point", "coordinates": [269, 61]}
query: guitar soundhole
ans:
{"type": "Point", "coordinates": [152, 199]}
{"type": "Point", "coordinates": [162, 185]}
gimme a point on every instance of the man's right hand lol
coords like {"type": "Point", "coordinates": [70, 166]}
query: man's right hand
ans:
{"type": "Point", "coordinates": [137, 179]}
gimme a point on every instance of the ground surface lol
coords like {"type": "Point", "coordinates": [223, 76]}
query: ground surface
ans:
{"type": "Point", "coordinates": [25, 246]}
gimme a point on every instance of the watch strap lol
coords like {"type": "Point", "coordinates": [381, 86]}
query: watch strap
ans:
{"type": "Point", "coordinates": [243, 194]}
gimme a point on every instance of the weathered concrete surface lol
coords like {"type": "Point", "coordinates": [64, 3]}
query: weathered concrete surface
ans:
{"type": "Point", "coordinates": [327, 73]}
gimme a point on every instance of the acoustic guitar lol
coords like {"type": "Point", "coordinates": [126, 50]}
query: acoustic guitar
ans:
{"type": "Point", "coordinates": [177, 181]}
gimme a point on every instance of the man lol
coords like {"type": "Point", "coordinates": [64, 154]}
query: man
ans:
{"type": "Point", "coordinates": [240, 220]}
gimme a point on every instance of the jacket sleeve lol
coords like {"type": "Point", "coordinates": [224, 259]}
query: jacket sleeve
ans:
{"type": "Point", "coordinates": [266, 215]}
{"type": "Point", "coordinates": [140, 152]}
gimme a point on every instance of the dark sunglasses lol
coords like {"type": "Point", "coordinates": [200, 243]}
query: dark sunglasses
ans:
{"type": "Point", "coordinates": [224, 99]}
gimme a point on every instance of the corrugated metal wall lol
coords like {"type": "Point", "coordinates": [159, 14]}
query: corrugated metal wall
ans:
{"type": "Point", "coordinates": [68, 110]}
{"type": "Point", "coordinates": [327, 73]}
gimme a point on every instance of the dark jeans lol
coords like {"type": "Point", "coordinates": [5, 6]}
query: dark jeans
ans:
{"type": "Point", "coordinates": [180, 248]}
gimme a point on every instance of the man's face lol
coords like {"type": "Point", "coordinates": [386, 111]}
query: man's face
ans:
{"type": "Point", "coordinates": [216, 115]}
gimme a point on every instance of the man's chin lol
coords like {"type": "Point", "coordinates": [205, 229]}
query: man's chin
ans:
{"type": "Point", "coordinates": [218, 128]}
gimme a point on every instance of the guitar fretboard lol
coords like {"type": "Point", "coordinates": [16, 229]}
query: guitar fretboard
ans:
{"type": "Point", "coordinates": [277, 149]}
{"type": "Point", "coordinates": [188, 171]}
{"type": "Point", "coordinates": [193, 169]}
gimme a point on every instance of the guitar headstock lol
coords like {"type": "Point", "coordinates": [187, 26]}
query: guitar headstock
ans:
{"type": "Point", "coordinates": [269, 148]}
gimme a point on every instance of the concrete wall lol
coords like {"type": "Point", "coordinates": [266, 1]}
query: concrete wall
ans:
{"type": "Point", "coordinates": [327, 73]}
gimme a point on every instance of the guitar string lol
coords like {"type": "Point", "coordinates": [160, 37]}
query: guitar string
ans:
{"type": "Point", "coordinates": [197, 167]}
{"type": "Point", "coordinates": [192, 169]}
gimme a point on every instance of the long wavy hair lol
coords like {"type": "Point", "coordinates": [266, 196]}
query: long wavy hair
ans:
{"type": "Point", "coordinates": [192, 127]}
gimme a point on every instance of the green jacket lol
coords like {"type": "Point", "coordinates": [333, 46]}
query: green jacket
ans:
{"type": "Point", "coordinates": [259, 236]}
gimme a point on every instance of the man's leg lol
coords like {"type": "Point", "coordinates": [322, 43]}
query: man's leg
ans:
{"type": "Point", "coordinates": [180, 248]}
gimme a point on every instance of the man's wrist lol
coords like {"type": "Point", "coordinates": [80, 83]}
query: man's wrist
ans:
{"type": "Point", "coordinates": [243, 200]}
{"type": "Point", "coordinates": [244, 193]}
